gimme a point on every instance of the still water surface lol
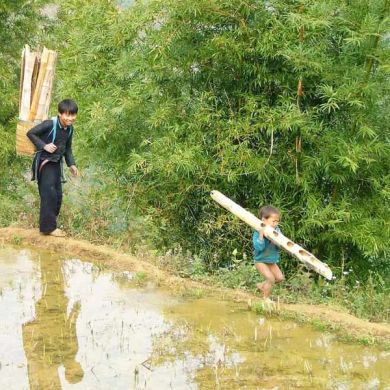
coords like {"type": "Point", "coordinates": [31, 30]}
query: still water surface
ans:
{"type": "Point", "coordinates": [66, 325]}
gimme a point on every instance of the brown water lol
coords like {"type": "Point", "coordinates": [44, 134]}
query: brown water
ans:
{"type": "Point", "coordinates": [66, 325]}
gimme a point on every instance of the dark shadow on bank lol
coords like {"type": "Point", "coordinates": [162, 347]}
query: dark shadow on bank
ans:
{"type": "Point", "coordinates": [50, 340]}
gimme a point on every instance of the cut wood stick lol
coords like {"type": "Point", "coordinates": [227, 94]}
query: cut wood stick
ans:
{"type": "Point", "coordinates": [35, 75]}
{"type": "Point", "coordinates": [41, 113]}
{"type": "Point", "coordinates": [51, 83]}
{"type": "Point", "coordinates": [38, 88]}
{"type": "Point", "coordinates": [276, 237]}
{"type": "Point", "coordinates": [30, 58]}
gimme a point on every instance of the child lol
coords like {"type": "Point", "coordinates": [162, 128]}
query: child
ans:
{"type": "Point", "coordinates": [53, 140]}
{"type": "Point", "coordinates": [266, 254]}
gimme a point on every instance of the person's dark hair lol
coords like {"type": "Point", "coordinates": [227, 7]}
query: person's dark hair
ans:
{"type": "Point", "coordinates": [267, 211]}
{"type": "Point", "coordinates": [67, 106]}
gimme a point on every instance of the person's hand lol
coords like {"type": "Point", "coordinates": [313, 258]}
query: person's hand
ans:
{"type": "Point", "coordinates": [51, 148]}
{"type": "Point", "coordinates": [74, 171]}
{"type": "Point", "coordinates": [261, 230]}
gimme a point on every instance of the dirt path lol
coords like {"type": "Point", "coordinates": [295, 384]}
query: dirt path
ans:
{"type": "Point", "coordinates": [343, 322]}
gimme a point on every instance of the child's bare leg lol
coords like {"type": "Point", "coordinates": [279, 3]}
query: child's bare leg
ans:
{"type": "Point", "coordinates": [278, 274]}
{"type": "Point", "coordinates": [266, 286]}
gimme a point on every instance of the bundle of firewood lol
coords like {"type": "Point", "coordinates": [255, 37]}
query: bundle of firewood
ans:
{"type": "Point", "coordinates": [36, 84]}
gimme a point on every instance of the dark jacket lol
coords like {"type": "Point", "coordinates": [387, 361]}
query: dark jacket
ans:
{"type": "Point", "coordinates": [41, 134]}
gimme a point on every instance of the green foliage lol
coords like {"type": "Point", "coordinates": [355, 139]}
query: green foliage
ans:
{"type": "Point", "coordinates": [18, 20]}
{"type": "Point", "coordinates": [369, 299]}
{"type": "Point", "coordinates": [186, 97]}
{"type": "Point", "coordinates": [97, 208]}
{"type": "Point", "coordinates": [244, 276]}
{"type": "Point", "coordinates": [17, 196]}
{"type": "Point", "coordinates": [182, 263]}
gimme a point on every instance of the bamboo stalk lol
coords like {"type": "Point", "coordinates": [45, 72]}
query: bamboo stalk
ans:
{"type": "Point", "coordinates": [35, 75]}
{"type": "Point", "coordinates": [276, 237]}
{"type": "Point", "coordinates": [41, 113]}
{"type": "Point", "coordinates": [48, 97]}
{"type": "Point", "coordinates": [30, 58]}
{"type": "Point", "coordinates": [38, 88]}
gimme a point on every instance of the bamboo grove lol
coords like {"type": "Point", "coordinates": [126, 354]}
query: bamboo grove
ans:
{"type": "Point", "coordinates": [282, 102]}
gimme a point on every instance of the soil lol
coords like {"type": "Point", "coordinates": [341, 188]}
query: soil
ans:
{"type": "Point", "coordinates": [335, 318]}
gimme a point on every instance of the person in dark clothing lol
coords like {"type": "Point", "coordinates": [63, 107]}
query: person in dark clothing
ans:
{"type": "Point", "coordinates": [53, 140]}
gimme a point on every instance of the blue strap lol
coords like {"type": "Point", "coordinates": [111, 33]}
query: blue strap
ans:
{"type": "Point", "coordinates": [53, 131]}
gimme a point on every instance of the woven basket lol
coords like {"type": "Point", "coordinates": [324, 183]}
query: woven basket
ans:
{"type": "Point", "coordinates": [24, 147]}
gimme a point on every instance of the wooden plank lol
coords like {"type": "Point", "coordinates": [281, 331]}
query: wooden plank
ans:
{"type": "Point", "coordinates": [44, 96]}
{"type": "Point", "coordinates": [38, 88]}
{"type": "Point", "coordinates": [48, 99]}
{"type": "Point", "coordinates": [34, 77]}
{"type": "Point", "coordinates": [26, 89]}
{"type": "Point", "coordinates": [277, 238]}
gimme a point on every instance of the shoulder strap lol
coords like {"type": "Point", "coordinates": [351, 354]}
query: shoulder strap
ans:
{"type": "Point", "coordinates": [53, 131]}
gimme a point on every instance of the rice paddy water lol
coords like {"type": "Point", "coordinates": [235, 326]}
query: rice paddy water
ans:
{"type": "Point", "coordinates": [66, 324]}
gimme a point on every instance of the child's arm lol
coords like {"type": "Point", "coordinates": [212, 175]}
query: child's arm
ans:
{"type": "Point", "coordinates": [258, 241]}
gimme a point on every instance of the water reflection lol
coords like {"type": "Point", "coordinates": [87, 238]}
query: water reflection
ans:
{"type": "Point", "coordinates": [65, 325]}
{"type": "Point", "coordinates": [50, 339]}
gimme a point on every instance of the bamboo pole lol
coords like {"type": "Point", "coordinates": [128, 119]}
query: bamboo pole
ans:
{"type": "Point", "coordinates": [29, 63]}
{"type": "Point", "coordinates": [45, 91]}
{"type": "Point", "coordinates": [38, 88]}
{"type": "Point", "coordinates": [34, 77]}
{"type": "Point", "coordinates": [276, 237]}
{"type": "Point", "coordinates": [48, 97]}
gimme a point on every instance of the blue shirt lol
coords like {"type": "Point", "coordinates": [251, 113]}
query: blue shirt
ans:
{"type": "Point", "coordinates": [264, 250]}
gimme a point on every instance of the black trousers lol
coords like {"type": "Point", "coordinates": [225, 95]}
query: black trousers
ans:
{"type": "Point", "coordinates": [50, 192]}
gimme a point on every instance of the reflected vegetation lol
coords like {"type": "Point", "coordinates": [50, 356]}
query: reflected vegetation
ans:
{"type": "Point", "coordinates": [67, 325]}
{"type": "Point", "coordinates": [236, 349]}
{"type": "Point", "coordinates": [50, 339]}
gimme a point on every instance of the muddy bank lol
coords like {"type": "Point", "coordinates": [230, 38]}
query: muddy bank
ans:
{"type": "Point", "coordinates": [342, 322]}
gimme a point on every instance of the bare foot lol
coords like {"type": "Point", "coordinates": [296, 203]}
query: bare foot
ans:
{"type": "Point", "coordinates": [57, 233]}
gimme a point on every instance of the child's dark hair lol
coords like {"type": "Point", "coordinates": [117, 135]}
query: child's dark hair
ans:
{"type": "Point", "coordinates": [68, 106]}
{"type": "Point", "coordinates": [267, 211]}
